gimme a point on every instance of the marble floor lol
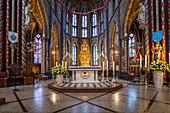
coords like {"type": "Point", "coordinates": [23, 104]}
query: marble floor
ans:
{"type": "Point", "coordinates": [132, 98]}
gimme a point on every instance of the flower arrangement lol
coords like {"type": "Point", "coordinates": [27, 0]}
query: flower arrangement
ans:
{"type": "Point", "coordinates": [56, 70]}
{"type": "Point", "coordinates": [158, 66]}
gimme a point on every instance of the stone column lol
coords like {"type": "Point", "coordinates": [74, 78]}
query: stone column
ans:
{"type": "Point", "coordinates": [7, 29]}
{"type": "Point", "coordinates": [1, 33]}
{"type": "Point", "coordinates": [23, 38]}
{"type": "Point", "coordinates": [18, 28]}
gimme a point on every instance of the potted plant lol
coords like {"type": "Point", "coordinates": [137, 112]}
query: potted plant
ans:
{"type": "Point", "coordinates": [158, 67]}
{"type": "Point", "coordinates": [59, 72]}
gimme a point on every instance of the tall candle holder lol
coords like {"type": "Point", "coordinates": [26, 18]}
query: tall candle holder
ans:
{"type": "Point", "coordinates": [146, 79]}
{"type": "Point", "coordinates": [140, 70]}
{"type": "Point", "coordinates": [113, 80]}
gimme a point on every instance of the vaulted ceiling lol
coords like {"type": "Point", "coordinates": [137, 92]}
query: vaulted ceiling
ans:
{"type": "Point", "coordinates": [84, 5]}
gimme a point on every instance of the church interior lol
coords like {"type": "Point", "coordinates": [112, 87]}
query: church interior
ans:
{"type": "Point", "coordinates": [84, 56]}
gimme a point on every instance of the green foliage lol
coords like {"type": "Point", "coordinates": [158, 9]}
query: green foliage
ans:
{"type": "Point", "coordinates": [158, 66]}
{"type": "Point", "coordinates": [58, 70]}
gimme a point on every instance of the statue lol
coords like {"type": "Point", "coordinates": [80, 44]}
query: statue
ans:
{"type": "Point", "coordinates": [141, 16]}
{"type": "Point", "coordinates": [28, 14]}
{"type": "Point", "coordinates": [157, 52]}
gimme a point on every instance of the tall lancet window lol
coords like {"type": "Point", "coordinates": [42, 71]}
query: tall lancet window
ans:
{"type": "Point", "coordinates": [94, 24]}
{"type": "Point", "coordinates": [74, 58]}
{"type": "Point", "coordinates": [84, 26]}
{"type": "Point", "coordinates": [101, 25]}
{"type": "Point", "coordinates": [95, 54]}
{"type": "Point", "coordinates": [67, 23]}
{"type": "Point", "coordinates": [37, 53]}
{"type": "Point", "coordinates": [132, 49]}
{"type": "Point", "coordinates": [74, 25]}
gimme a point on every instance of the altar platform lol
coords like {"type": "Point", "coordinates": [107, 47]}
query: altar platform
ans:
{"type": "Point", "coordinates": [85, 87]}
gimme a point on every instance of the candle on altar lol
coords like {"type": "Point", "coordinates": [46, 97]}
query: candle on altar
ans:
{"type": "Point", "coordinates": [56, 63]}
{"type": "Point", "coordinates": [140, 61]}
{"type": "Point", "coordinates": [66, 65]}
{"type": "Point", "coordinates": [103, 65]}
{"type": "Point", "coordinates": [146, 58]}
{"type": "Point", "coordinates": [169, 59]}
{"type": "Point", "coordinates": [107, 64]}
{"type": "Point", "coordinates": [113, 67]}
{"type": "Point", "coordinates": [62, 63]}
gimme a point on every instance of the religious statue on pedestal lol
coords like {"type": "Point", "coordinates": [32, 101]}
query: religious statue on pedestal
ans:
{"type": "Point", "coordinates": [141, 16]}
{"type": "Point", "coordinates": [28, 15]}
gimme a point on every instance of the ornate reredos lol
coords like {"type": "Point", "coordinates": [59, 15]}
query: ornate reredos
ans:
{"type": "Point", "coordinates": [85, 54]}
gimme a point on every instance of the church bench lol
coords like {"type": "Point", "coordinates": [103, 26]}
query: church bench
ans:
{"type": "Point", "coordinates": [3, 79]}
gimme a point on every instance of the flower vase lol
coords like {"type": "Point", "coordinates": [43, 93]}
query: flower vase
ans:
{"type": "Point", "coordinates": [158, 79]}
{"type": "Point", "coordinates": [59, 79]}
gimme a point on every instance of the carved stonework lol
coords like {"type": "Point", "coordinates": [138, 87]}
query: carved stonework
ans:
{"type": "Point", "coordinates": [28, 16]}
{"type": "Point", "coordinates": [141, 16]}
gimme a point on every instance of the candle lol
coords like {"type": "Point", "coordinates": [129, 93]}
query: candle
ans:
{"type": "Point", "coordinates": [103, 65]}
{"type": "Point", "coordinates": [169, 58]}
{"type": "Point", "coordinates": [107, 64]}
{"type": "Point", "coordinates": [146, 58]}
{"type": "Point", "coordinates": [62, 63]}
{"type": "Point", "coordinates": [140, 61]}
{"type": "Point", "coordinates": [113, 67]}
{"type": "Point", "coordinates": [56, 63]}
{"type": "Point", "coordinates": [66, 65]}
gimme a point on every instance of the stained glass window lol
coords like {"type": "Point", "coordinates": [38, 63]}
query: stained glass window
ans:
{"type": "Point", "coordinates": [94, 19]}
{"type": "Point", "coordinates": [132, 50]}
{"type": "Point", "coordinates": [74, 24]}
{"type": "Point", "coordinates": [84, 21]}
{"type": "Point", "coordinates": [84, 26]}
{"type": "Point", "coordinates": [102, 27]}
{"type": "Point", "coordinates": [67, 17]}
{"type": "Point", "coordinates": [95, 54]}
{"type": "Point", "coordinates": [101, 17]}
{"type": "Point", "coordinates": [37, 53]}
{"type": "Point", "coordinates": [74, 58]}
{"type": "Point", "coordinates": [84, 33]}
{"type": "Point", "coordinates": [74, 20]}
{"type": "Point", "coordinates": [66, 28]}
{"type": "Point", "coordinates": [94, 24]}
{"type": "Point", "coordinates": [94, 31]}
{"type": "Point", "coordinates": [74, 31]}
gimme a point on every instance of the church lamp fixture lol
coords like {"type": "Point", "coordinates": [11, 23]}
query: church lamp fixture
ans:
{"type": "Point", "coordinates": [59, 70]}
{"type": "Point", "coordinates": [158, 66]}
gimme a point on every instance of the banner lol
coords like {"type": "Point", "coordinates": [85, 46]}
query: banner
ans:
{"type": "Point", "coordinates": [157, 36]}
{"type": "Point", "coordinates": [12, 37]}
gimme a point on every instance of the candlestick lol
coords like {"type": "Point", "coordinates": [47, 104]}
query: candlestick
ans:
{"type": "Point", "coordinates": [146, 58]}
{"type": "Point", "coordinates": [169, 59]}
{"type": "Point", "coordinates": [140, 61]}
{"type": "Point", "coordinates": [113, 67]}
{"type": "Point", "coordinates": [66, 65]}
{"type": "Point", "coordinates": [62, 63]}
{"type": "Point", "coordinates": [113, 80]}
{"type": "Point", "coordinates": [103, 66]}
{"type": "Point", "coordinates": [107, 65]}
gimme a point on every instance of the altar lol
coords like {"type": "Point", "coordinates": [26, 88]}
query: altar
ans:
{"type": "Point", "coordinates": [84, 74]}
